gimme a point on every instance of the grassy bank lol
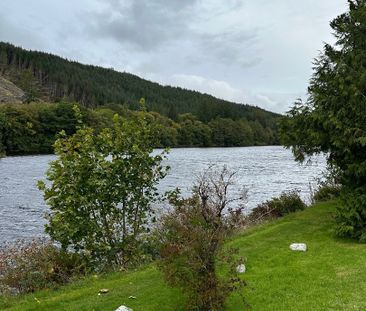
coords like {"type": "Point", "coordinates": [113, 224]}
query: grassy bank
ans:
{"type": "Point", "coordinates": [330, 276]}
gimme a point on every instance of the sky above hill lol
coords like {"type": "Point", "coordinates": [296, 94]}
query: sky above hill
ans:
{"type": "Point", "coordinates": [256, 52]}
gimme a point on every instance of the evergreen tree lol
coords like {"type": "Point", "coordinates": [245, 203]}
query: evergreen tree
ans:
{"type": "Point", "coordinates": [333, 119]}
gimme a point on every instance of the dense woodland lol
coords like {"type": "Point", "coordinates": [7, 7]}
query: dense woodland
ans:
{"type": "Point", "coordinates": [187, 118]}
{"type": "Point", "coordinates": [32, 128]}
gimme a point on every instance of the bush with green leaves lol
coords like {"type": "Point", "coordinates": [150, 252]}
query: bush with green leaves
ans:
{"type": "Point", "coordinates": [192, 236]}
{"type": "Point", "coordinates": [326, 192]}
{"type": "Point", "coordinates": [102, 186]}
{"type": "Point", "coordinates": [287, 202]}
{"type": "Point", "coordinates": [27, 266]}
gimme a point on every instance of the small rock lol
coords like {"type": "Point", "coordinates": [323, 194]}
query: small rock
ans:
{"type": "Point", "coordinates": [104, 291]}
{"type": "Point", "coordinates": [300, 247]}
{"type": "Point", "coordinates": [123, 308]}
{"type": "Point", "coordinates": [241, 268]}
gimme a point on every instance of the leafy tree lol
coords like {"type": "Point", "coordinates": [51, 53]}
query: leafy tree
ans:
{"type": "Point", "coordinates": [102, 187]}
{"type": "Point", "coordinates": [19, 127]}
{"type": "Point", "coordinates": [333, 119]}
{"type": "Point", "coordinates": [229, 133]}
{"type": "Point", "coordinates": [193, 132]}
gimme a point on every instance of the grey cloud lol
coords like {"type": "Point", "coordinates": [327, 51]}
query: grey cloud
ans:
{"type": "Point", "coordinates": [170, 4]}
{"type": "Point", "coordinates": [143, 24]}
{"type": "Point", "coordinates": [232, 47]}
{"type": "Point", "coordinates": [146, 26]}
{"type": "Point", "coordinates": [9, 32]}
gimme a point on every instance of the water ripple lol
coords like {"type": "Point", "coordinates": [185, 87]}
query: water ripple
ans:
{"type": "Point", "coordinates": [265, 171]}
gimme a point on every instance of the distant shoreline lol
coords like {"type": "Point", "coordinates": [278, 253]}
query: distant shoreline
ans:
{"type": "Point", "coordinates": [158, 148]}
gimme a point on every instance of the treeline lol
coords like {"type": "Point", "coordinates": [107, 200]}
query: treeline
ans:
{"type": "Point", "coordinates": [32, 128]}
{"type": "Point", "coordinates": [51, 78]}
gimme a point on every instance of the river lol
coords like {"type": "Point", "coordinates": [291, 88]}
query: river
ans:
{"type": "Point", "coordinates": [264, 171]}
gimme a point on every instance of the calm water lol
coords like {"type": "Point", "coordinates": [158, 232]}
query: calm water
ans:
{"type": "Point", "coordinates": [265, 171]}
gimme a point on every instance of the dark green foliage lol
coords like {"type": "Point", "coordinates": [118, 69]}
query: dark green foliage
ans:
{"type": "Point", "coordinates": [327, 192]}
{"type": "Point", "coordinates": [333, 120]}
{"type": "Point", "coordinates": [192, 237]}
{"type": "Point", "coordinates": [52, 78]}
{"type": "Point", "coordinates": [352, 214]}
{"type": "Point", "coordinates": [32, 128]}
{"type": "Point", "coordinates": [287, 202]}
{"type": "Point", "coordinates": [19, 128]}
{"type": "Point", "coordinates": [229, 133]}
{"type": "Point", "coordinates": [192, 132]}
{"type": "Point", "coordinates": [329, 187]}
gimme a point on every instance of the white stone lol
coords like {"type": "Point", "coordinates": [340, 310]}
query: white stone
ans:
{"type": "Point", "coordinates": [123, 308]}
{"type": "Point", "coordinates": [300, 247]}
{"type": "Point", "coordinates": [241, 268]}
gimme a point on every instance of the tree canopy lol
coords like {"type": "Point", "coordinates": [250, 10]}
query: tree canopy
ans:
{"type": "Point", "coordinates": [32, 128]}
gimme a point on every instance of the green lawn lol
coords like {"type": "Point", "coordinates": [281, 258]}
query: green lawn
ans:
{"type": "Point", "coordinates": [330, 276]}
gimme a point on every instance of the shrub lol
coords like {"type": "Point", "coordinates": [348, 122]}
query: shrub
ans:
{"type": "Point", "coordinates": [192, 237]}
{"type": "Point", "coordinates": [329, 186]}
{"type": "Point", "coordinates": [287, 202]}
{"type": "Point", "coordinates": [27, 266]}
{"type": "Point", "coordinates": [327, 192]}
{"type": "Point", "coordinates": [101, 189]}
{"type": "Point", "coordinates": [352, 224]}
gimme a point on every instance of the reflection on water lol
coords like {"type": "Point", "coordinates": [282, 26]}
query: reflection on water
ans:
{"type": "Point", "coordinates": [265, 171]}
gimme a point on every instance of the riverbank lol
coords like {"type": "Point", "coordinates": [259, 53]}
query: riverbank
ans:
{"type": "Point", "coordinates": [331, 275]}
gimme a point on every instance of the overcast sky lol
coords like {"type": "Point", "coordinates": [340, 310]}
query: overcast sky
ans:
{"type": "Point", "coordinates": [258, 52]}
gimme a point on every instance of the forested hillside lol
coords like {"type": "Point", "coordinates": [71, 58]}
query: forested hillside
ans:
{"type": "Point", "coordinates": [188, 118]}
{"type": "Point", "coordinates": [56, 78]}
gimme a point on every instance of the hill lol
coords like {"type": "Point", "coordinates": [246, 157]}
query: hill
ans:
{"type": "Point", "coordinates": [47, 83]}
{"type": "Point", "coordinates": [329, 276]}
{"type": "Point", "coordinates": [52, 78]}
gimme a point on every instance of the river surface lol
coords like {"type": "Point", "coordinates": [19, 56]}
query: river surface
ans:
{"type": "Point", "coordinates": [264, 171]}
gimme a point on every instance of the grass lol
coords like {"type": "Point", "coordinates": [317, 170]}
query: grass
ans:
{"type": "Point", "coordinates": [331, 275]}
